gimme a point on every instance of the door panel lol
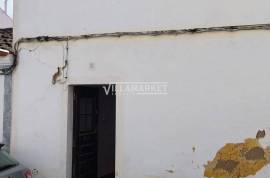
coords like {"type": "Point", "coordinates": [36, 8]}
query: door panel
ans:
{"type": "Point", "coordinates": [85, 133]}
{"type": "Point", "coordinates": [93, 133]}
{"type": "Point", "coordinates": [106, 136]}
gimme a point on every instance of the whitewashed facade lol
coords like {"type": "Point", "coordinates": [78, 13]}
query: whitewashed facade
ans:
{"type": "Point", "coordinates": [218, 83]}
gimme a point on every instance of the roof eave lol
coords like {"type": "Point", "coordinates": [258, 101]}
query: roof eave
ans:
{"type": "Point", "coordinates": [4, 52]}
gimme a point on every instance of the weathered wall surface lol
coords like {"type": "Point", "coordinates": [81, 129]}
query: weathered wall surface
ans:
{"type": "Point", "coordinates": [218, 85]}
{"type": "Point", "coordinates": [218, 94]}
{"type": "Point", "coordinates": [39, 114]}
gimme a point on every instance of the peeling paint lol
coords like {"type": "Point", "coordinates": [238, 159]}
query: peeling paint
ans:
{"type": "Point", "coordinates": [239, 159]}
{"type": "Point", "coordinates": [256, 153]}
{"type": "Point", "coordinates": [228, 165]}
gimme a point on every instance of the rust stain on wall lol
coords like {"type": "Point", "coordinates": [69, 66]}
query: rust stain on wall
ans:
{"type": "Point", "coordinates": [239, 159]}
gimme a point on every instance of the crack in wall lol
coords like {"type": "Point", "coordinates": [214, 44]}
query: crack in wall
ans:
{"type": "Point", "coordinates": [134, 34]}
{"type": "Point", "coordinates": [144, 33]}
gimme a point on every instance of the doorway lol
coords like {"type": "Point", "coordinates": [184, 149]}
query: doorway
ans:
{"type": "Point", "coordinates": [94, 122]}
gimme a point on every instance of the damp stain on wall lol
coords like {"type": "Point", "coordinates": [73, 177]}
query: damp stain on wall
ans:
{"type": "Point", "coordinates": [236, 160]}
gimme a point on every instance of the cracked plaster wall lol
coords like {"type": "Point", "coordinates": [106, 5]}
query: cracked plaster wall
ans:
{"type": "Point", "coordinates": [218, 83]}
{"type": "Point", "coordinates": [218, 93]}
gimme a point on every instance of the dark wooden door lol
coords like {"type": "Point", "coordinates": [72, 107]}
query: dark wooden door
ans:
{"type": "Point", "coordinates": [93, 133]}
{"type": "Point", "coordinates": [85, 133]}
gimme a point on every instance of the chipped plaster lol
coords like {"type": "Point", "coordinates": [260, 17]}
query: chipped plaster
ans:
{"type": "Point", "coordinates": [236, 160]}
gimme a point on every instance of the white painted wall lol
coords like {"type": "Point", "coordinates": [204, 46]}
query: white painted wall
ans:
{"type": "Point", "coordinates": [218, 83]}
{"type": "Point", "coordinates": [218, 93]}
{"type": "Point", "coordinates": [5, 20]}
{"type": "Point", "coordinates": [70, 17]}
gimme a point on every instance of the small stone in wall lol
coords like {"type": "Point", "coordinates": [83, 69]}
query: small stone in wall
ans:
{"type": "Point", "coordinates": [260, 134]}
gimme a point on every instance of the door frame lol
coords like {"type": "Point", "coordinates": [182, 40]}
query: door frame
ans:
{"type": "Point", "coordinates": [69, 134]}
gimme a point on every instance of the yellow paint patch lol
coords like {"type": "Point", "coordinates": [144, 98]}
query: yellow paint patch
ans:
{"type": "Point", "coordinates": [238, 160]}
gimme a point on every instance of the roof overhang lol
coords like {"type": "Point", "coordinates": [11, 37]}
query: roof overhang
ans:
{"type": "Point", "coordinates": [3, 52]}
